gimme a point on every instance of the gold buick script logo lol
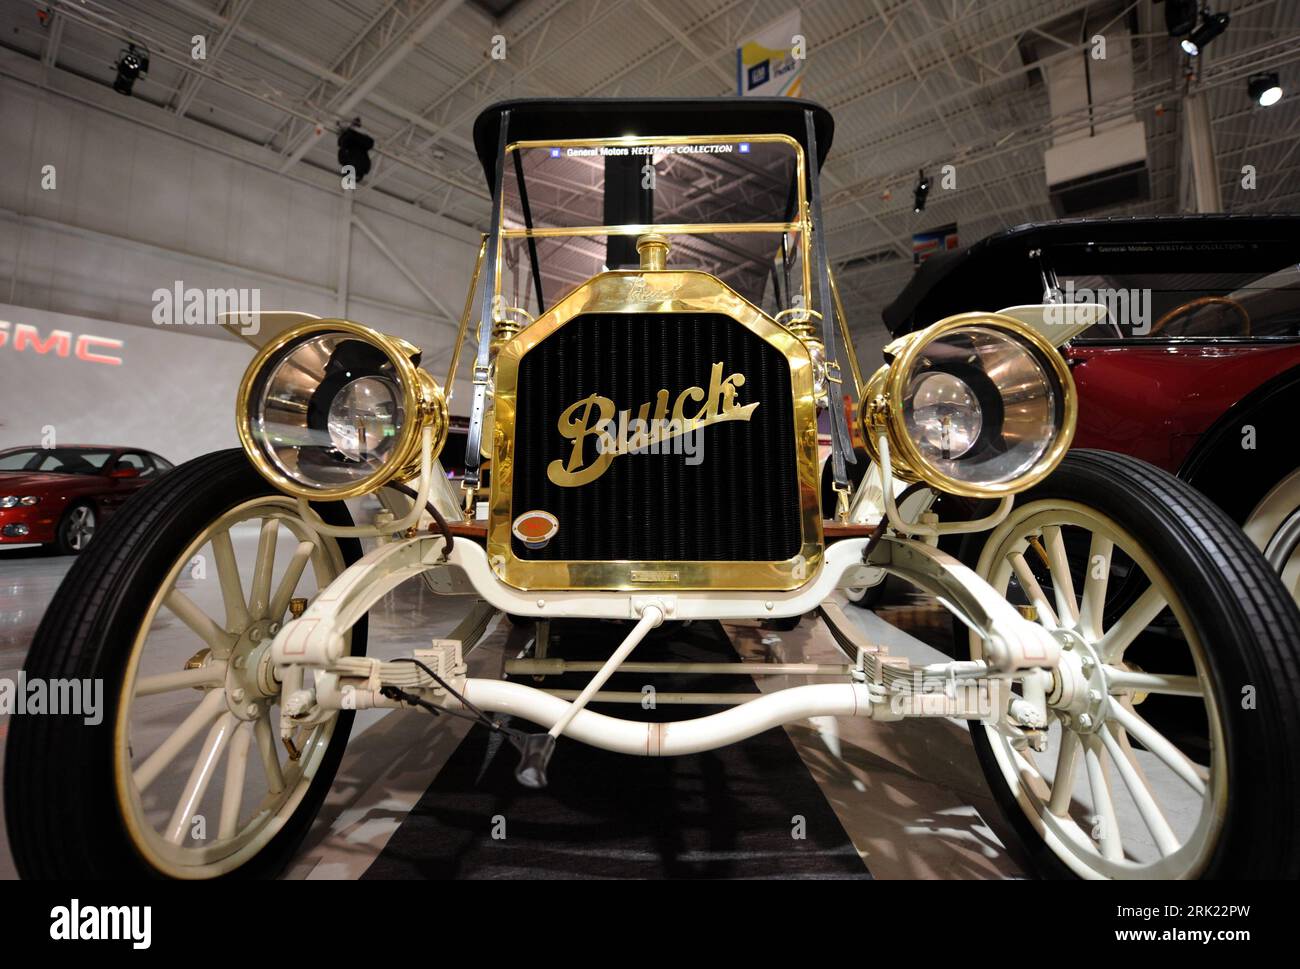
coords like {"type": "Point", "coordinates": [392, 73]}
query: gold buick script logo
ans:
{"type": "Point", "coordinates": [641, 289]}
{"type": "Point", "coordinates": [593, 417]}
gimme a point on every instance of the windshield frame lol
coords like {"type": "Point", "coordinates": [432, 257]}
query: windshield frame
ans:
{"type": "Point", "coordinates": [801, 224]}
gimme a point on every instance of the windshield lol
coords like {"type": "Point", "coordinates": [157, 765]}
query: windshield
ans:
{"type": "Point", "coordinates": [728, 205]}
{"type": "Point", "coordinates": [55, 460]}
{"type": "Point", "coordinates": [1192, 291]}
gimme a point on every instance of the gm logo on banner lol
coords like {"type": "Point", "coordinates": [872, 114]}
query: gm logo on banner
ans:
{"type": "Point", "coordinates": [766, 63]}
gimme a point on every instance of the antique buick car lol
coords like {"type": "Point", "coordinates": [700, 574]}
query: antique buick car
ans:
{"type": "Point", "coordinates": [1196, 367]}
{"type": "Point", "coordinates": [654, 330]}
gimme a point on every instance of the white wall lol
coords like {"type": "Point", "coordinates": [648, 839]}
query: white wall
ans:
{"type": "Point", "coordinates": [143, 200]}
{"type": "Point", "coordinates": [169, 394]}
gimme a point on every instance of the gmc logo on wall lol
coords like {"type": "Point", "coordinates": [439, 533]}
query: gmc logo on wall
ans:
{"type": "Point", "coordinates": [61, 343]}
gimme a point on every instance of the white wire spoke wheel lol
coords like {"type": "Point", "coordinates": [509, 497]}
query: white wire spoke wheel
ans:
{"type": "Point", "coordinates": [1172, 694]}
{"type": "Point", "coordinates": [1079, 790]}
{"type": "Point", "coordinates": [174, 607]}
{"type": "Point", "coordinates": [174, 795]}
{"type": "Point", "coordinates": [1274, 525]}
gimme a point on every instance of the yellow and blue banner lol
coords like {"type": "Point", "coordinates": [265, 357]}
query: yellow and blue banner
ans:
{"type": "Point", "coordinates": [766, 63]}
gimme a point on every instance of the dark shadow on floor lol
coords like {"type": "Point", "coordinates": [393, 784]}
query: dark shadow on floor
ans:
{"type": "Point", "coordinates": [750, 810]}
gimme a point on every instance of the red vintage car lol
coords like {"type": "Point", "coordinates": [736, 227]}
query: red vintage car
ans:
{"type": "Point", "coordinates": [57, 496]}
{"type": "Point", "coordinates": [1197, 369]}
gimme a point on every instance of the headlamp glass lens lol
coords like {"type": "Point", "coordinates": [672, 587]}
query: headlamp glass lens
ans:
{"type": "Point", "coordinates": [328, 411]}
{"type": "Point", "coordinates": [981, 405]}
{"type": "Point", "coordinates": [946, 415]}
{"type": "Point", "coordinates": [363, 416]}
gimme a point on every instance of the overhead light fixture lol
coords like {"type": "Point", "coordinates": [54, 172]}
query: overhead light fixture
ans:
{"type": "Point", "coordinates": [920, 192]}
{"type": "Point", "coordinates": [1211, 25]}
{"type": "Point", "coordinates": [1180, 17]}
{"type": "Point", "coordinates": [131, 63]}
{"type": "Point", "coordinates": [1265, 88]}
{"type": "Point", "coordinates": [354, 150]}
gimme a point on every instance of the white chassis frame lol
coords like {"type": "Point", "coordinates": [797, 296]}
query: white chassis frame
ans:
{"type": "Point", "coordinates": [1023, 649]}
{"type": "Point", "coordinates": [877, 687]}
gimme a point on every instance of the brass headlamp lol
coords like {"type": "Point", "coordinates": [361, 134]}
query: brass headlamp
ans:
{"type": "Point", "coordinates": [332, 409]}
{"type": "Point", "coordinates": [977, 404]}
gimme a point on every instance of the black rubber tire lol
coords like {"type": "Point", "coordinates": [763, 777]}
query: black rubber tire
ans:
{"type": "Point", "coordinates": [1251, 631]}
{"type": "Point", "coordinates": [60, 802]}
{"type": "Point", "coordinates": [61, 544]}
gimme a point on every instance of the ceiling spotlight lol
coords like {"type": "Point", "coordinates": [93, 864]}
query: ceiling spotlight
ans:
{"type": "Point", "coordinates": [1180, 17]}
{"type": "Point", "coordinates": [1265, 88]}
{"type": "Point", "coordinates": [920, 192]}
{"type": "Point", "coordinates": [131, 63]}
{"type": "Point", "coordinates": [1212, 24]}
{"type": "Point", "coordinates": [354, 150]}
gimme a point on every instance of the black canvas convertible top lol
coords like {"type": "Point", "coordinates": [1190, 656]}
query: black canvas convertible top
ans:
{"type": "Point", "coordinates": [998, 270]}
{"type": "Point", "coordinates": [545, 119]}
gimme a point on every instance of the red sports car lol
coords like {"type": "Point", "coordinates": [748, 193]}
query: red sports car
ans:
{"type": "Point", "coordinates": [57, 496]}
{"type": "Point", "coordinates": [1198, 368]}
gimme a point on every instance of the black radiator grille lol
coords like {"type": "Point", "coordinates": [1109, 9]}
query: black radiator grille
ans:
{"type": "Point", "coordinates": [740, 503]}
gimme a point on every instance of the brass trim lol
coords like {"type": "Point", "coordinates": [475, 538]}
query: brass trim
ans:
{"type": "Point", "coordinates": [669, 291]}
{"type": "Point", "coordinates": [422, 401]}
{"type": "Point", "coordinates": [800, 324]}
{"type": "Point", "coordinates": [880, 407]}
{"type": "Point", "coordinates": [855, 369]}
{"type": "Point", "coordinates": [641, 228]}
{"type": "Point", "coordinates": [507, 323]}
{"type": "Point", "coordinates": [651, 141]}
{"type": "Point", "coordinates": [465, 315]}
{"type": "Point", "coordinates": [653, 250]}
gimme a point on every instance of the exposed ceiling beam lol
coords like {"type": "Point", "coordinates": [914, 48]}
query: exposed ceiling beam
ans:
{"type": "Point", "coordinates": [162, 52]}
{"type": "Point", "coordinates": [360, 87]}
{"type": "Point", "coordinates": [596, 16]}
{"type": "Point", "coordinates": [304, 63]}
{"type": "Point", "coordinates": [438, 132]}
{"type": "Point", "coordinates": [189, 86]}
{"type": "Point", "coordinates": [679, 35]}
{"type": "Point", "coordinates": [52, 40]}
